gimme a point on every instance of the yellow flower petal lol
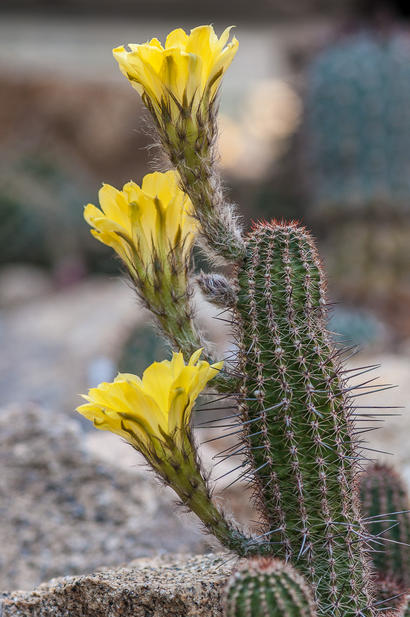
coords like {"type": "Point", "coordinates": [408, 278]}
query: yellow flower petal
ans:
{"type": "Point", "coordinates": [144, 410]}
{"type": "Point", "coordinates": [138, 221]}
{"type": "Point", "coordinates": [176, 38]}
{"type": "Point", "coordinates": [195, 356]}
{"type": "Point", "coordinates": [185, 69]}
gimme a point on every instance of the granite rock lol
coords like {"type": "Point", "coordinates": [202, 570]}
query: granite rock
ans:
{"type": "Point", "coordinates": [162, 587]}
{"type": "Point", "coordinates": [65, 511]}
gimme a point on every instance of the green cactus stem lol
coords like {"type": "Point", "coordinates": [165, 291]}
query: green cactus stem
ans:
{"type": "Point", "coordinates": [298, 420]}
{"type": "Point", "coordinates": [265, 587]}
{"type": "Point", "coordinates": [385, 504]}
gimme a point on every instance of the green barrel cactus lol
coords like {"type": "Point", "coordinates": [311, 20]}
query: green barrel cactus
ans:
{"type": "Point", "coordinates": [358, 136]}
{"type": "Point", "coordinates": [264, 587]}
{"type": "Point", "coordinates": [40, 223]}
{"type": "Point", "coordinates": [142, 346]}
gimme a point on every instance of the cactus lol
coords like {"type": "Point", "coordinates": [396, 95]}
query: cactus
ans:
{"type": "Point", "coordinates": [142, 346]}
{"type": "Point", "coordinates": [295, 411]}
{"type": "Point", "coordinates": [39, 223]}
{"type": "Point", "coordinates": [385, 504]}
{"type": "Point", "coordinates": [266, 587]}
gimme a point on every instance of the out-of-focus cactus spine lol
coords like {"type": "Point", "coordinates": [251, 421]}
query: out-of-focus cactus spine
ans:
{"type": "Point", "coordinates": [265, 587]}
{"type": "Point", "coordinates": [298, 430]}
{"type": "Point", "coordinates": [385, 504]}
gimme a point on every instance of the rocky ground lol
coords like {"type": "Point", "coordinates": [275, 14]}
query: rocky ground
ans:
{"type": "Point", "coordinates": [65, 511]}
{"type": "Point", "coordinates": [73, 500]}
{"type": "Point", "coordinates": [159, 587]}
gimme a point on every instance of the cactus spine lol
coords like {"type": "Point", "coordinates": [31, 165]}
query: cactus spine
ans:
{"type": "Point", "coordinates": [265, 587]}
{"type": "Point", "coordinates": [298, 430]}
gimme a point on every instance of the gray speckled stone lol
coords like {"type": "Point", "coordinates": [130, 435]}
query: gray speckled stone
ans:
{"type": "Point", "coordinates": [65, 512]}
{"type": "Point", "coordinates": [162, 587]}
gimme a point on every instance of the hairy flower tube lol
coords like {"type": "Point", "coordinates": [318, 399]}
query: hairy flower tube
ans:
{"type": "Point", "coordinates": [153, 413]}
{"type": "Point", "coordinates": [181, 78]}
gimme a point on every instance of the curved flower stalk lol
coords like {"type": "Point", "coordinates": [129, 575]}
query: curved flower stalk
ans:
{"type": "Point", "coordinates": [152, 230]}
{"type": "Point", "coordinates": [178, 83]}
{"type": "Point", "coordinates": [153, 415]}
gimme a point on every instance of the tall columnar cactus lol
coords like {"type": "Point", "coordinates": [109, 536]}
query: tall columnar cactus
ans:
{"type": "Point", "coordinates": [385, 506]}
{"type": "Point", "coordinates": [296, 416]}
{"type": "Point", "coordinates": [266, 587]}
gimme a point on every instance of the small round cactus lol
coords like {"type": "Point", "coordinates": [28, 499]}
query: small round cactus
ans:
{"type": "Point", "coordinates": [266, 587]}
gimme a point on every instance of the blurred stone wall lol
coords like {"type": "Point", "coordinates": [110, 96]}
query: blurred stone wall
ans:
{"type": "Point", "coordinates": [86, 123]}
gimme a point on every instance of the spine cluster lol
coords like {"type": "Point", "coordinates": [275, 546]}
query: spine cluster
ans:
{"type": "Point", "coordinates": [298, 432]}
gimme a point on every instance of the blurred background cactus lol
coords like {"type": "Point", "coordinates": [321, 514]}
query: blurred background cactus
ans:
{"type": "Point", "coordinates": [358, 148]}
{"type": "Point", "coordinates": [359, 123]}
{"type": "Point", "coordinates": [385, 506]}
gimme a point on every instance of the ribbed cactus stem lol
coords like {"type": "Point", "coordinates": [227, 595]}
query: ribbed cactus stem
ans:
{"type": "Point", "coordinates": [219, 222]}
{"type": "Point", "coordinates": [167, 292]}
{"type": "Point", "coordinates": [385, 505]}
{"type": "Point", "coordinates": [297, 419]}
{"type": "Point", "coordinates": [265, 587]}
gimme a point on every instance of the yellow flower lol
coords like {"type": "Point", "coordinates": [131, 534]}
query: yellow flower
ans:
{"type": "Point", "coordinates": [142, 224]}
{"type": "Point", "coordinates": [186, 72]}
{"type": "Point", "coordinates": [154, 412]}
